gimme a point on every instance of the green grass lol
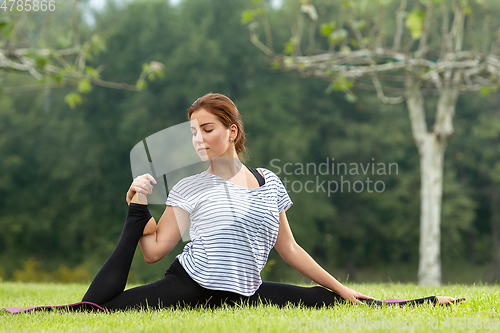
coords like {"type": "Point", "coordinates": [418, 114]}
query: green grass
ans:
{"type": "Point", "coordinates": [483, 302]}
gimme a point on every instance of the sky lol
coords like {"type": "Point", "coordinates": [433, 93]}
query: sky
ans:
{"type": "Point", "coordinates": [99, 4]}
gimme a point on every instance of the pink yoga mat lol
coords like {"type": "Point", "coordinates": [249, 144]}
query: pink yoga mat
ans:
{"type": "Point", "coordinates": [413, 302]}
{"type": "Point", "coordinates": [89, 306]}
{"type": "Point", "coordinates": [80, 306]}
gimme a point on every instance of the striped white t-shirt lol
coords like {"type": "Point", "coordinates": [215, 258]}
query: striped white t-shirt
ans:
{"type": "Point", "coordinates": [233, 228]}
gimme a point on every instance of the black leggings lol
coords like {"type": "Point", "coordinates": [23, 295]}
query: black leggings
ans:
{"type": "Point", "coordinates": [177, 288]}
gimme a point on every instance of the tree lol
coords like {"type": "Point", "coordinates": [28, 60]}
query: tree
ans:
{"type": "Point", "coordinates": [478, 157]}
{"type": "Point", "coordinates": [439, 50]}
{"type": "Point", "coordinates": [60, 59]}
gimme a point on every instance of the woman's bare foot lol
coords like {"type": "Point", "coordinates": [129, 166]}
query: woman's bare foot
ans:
{"type": "Point", "coordinates": [139, 198]}
{"type": "Point", "coordinates": [443, 300]}
{"type": "Point", "coordinates": [150, 227]}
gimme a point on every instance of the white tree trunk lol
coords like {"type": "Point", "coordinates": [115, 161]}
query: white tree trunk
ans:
{"type": "Point", "coordinates": [455, 70]}
{"type": "Point", "coordinates": [431, 147]}
{"type": "Point", "coordinates": [431, 171]}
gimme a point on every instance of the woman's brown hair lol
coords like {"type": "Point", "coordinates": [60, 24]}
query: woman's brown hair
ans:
{"type": "Point", "coordinates": [224, 108]}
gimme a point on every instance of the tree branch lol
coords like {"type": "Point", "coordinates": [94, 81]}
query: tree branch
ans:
{"type": "Point", "coordinates": [267, 30]}
{"type": "Point", "coordinates": [396, 91]}
{"type": "Point", "coordinates": [469, 29]}
{"type": "Point", "coordinates": [298, 36]}
{"type": "Point", "coordinates": [55, 68]}
{"type": "Point", "coordinates": [447, 45]}
{"type": "Point", "coordinates": [423, 47]}
{"type": "Point", "coordinates": [76, 34]}
{"type": "Point", "coordinates": [352, 25]}
{"type": "Point", "coordinates": [400, 15]}
{"type": "Point", "coordinates": [341, 19]}
{"type": "Point", "coordinates": [475, 69]}
{"type": "Point", "coordinates": [457, 30]}
{"type": "Point", "coordinates": [380, 93]}
{"type": "Point", "coordinates": [44, 28]}
{"type": "Point", "coordinates": [80, 59]}
{"type": "Point", "coordinates": [496, 44]}
{"type": "Point", "coordinates": [375, 31]}
{"type": "Point", "coordinates": [313, 17]}
{"type": "Point", "coordinates": [486, 28]}
{"type": "Point", "coordinates": [443, 125]}
{"type": "Point", "coordinates": [255, 40]}
{"type": "Point", "coordinates": [33, 87]}
{"type": "Point", "coordinates": [371, 87]}
{"type": "Point", "coordinates": [9, 52]}
{"type": "Point", "coordinates": [415, 103]}
{"type": "Point", "coordinates": [99, 82]}
{"type": "Point", "coordinates": [113, 85]}
{"type": "Point", "coordinates": [19, 24]}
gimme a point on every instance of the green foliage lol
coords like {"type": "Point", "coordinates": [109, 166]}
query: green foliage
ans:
{"type": "Point", "coordinates": [73, 99]}
{"type": "Point", "coordinates": [337, 36]}
{"type": "Point", "coordinates": [289, 46]}
{"type": "Point", "coordinates": [41, 61]}
{"type": "Point", "coordinates": [350, 97]}
{"type": "Point", "coordinates": [415, 23]}
{"type": "Point", "coordinates": [97, 45]}
{"type": "Point", "coordinates": [345, 49]}
{"type": "Point", "coordinates": [327, 28]}
{"type": "Point", "coordinates": [44, 36]}
{"type": "Point", "coordinates": [84, 86]}
{"type": "Point", "coordinates": [71, 275]}
{"type": "Point", "coordinates": [64, 175]}
{"type": "Point", "coordinates": [487, 130]}
{"type": "Point", "coordinates": [6, 27]}
{"type": "Point", "coordinates": [267, 269]}
{"type": "Point", "coordinates": [250, 15]}
{"type": "Point", "coordinates": [342, 83]}
{"type": "Point", "coordinates": [360, 24]}
{"type": "Point", "coordinates": [92, 72]}
{"type": "Point", "coordinates": [486, 90]}
{"type": "Point", "coordinates": [32, 272]}
{"type": "Point", "coordinates": [65, 39]}
{"type": "Point", "coordinates": [247, 16]}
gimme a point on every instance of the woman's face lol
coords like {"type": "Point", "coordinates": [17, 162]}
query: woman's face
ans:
{"type": "Point", "coordinates": [210, 136]}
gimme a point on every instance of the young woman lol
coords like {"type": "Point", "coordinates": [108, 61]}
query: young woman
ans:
{"type": "Point", "coordinates": [237, 215]}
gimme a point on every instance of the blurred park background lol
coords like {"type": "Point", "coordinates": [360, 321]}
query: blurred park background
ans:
{"type": "Point", "coordinates": [64, 151]}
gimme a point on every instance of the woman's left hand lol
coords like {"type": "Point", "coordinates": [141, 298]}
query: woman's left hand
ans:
{"type": "Point", "coordinates": [352, 295]}
{"type": "Point", "coordinates": [142, 186]}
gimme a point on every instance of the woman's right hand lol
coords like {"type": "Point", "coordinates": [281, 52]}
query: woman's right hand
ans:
{"type": "Point", "coordinates": [142, 185]}
{"type": "Point", "coordinates": [352, 295]}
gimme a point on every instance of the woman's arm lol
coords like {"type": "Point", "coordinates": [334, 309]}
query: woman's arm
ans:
{"type": "Point", "coordinates": [295, 256]}
{"type": "Point", "coordinates": [170, 228]}
{"type": "Point", "coordinates": [158, 240]}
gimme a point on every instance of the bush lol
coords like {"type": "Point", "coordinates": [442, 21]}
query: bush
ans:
{"type": "Point", "coordinates": [32, 272]}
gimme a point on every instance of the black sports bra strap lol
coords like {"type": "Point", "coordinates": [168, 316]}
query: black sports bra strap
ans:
{"type": "Point", "coordinates": [257, 175]}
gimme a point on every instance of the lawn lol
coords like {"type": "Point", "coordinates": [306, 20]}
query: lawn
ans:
{"type": "Point", "coordinates": [480, 312]}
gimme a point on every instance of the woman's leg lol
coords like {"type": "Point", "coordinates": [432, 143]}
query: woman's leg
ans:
{"type": "Point", "coordinates": [281, 294]}
{"type": "Point", "coordinates": [175, 289]}
{"type": "Point", "coordinates": [112, 278]}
